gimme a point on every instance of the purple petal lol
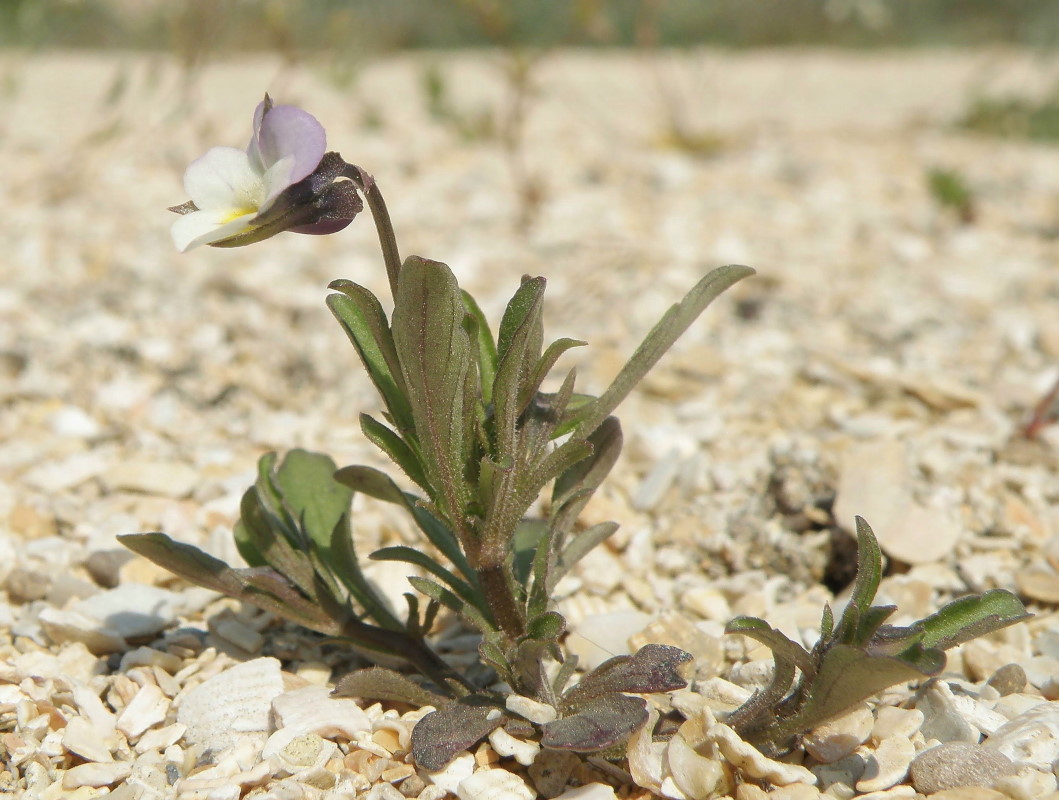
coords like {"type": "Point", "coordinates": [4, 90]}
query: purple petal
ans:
{"type": "Point", "coordinates": [322, 228]}
{"type": "Point", "coordinates": [287, 132]}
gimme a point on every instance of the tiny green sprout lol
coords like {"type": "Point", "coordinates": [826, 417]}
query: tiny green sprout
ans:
{"type": "Point", "coordinates": [858, 656]}
{"type": "Point", "coordinates": [951, 191]}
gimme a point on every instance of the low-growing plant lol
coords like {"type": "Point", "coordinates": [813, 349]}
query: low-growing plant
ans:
{"type": "Point", "coordinates": [1015, 117]}
{"type": "Point", "coordinates": [467, 420]}
{"type": "Point", "coordinates": [858, 656]}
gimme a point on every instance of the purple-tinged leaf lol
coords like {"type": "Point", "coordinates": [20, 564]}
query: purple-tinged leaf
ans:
{"type": "Point", "coordinates": [599, 725]}
{"type": "Point", "coordinates": [439, 736]}
{"type": "Point", "coordinates": [379, 683]}
{"type": "Point", "coordinates": [652, 668]}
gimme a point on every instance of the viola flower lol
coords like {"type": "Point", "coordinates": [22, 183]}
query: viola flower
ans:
{"type": "Point", "coordinates": [284, 181]}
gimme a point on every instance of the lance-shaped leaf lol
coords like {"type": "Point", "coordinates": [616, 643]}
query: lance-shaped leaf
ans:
{"type": "Point", "coordinates": [379, 683]}
{"type": "Point", "coordinates": [467, 612]}
{"type": "Point", "coordinates": [970, 617]}
{"type": "Point", "coordinates": [441, 735]}
{"type": "Point", "coordinates": [856, 625]}
{"type": "Point", "coordinates": [760, 631]}
{"type": "Point", "coordinates": [410, 555]}
{"type": "Point", "coordinates": [598, 725]}
{"type": "Point", "coordinates": [262, 542]}
{"type": "Point", "coordinates": [652, 668]}
{"type": "Point", "coordinates": [344, 564]}
{"type": "Point", "coordinates": [435, 355]}
{"type": "Point", "coordinates": [361, 316]}
{"type": "Point", "coordinates": [672, 325]}
{"type": "Point", "coordinates": [486, 347]}
{"type": "Point", "coordinates": [377, 484]}
{"type": "Point", "coordinates": [261, 586]}
{"type": "Point", "coordinates": [396, 449]}
{"type": "Point", "coordinates": [518, 351]}
{"type": "Point", "coordinates": [543, 367]}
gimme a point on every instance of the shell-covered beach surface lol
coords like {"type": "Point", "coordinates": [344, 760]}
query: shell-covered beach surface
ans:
{"type": "Point", "coordinates": [883, 362]}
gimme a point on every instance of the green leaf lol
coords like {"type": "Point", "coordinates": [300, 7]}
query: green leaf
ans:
{"type": "Point", "coordinates": [865, 585]}
{"type": "Point", "coordinates": [970, 617]}
{"type": "Point", "coordinates": [379, 683]}
{"type": "Point", "coordinates": [316, 500]}
{"type": "Point", "coordinates": [435, 355]}
{"type": "Point", "coordinates": [760, 631]}
{"type": "Point", "coordinates": [468, 613]}
{"type": "Point", "coordinates": [543, 367]}
{"type": "Point", "coordinates": [847, 675]}
{"type": "Point", "coordinates": [410, 555]}
{"type": "Point", "coordinates": [360, 314]}
{"type": "Point", "coordinates": [486, 347]}
{"type": "Point", "coordinates": [377, 484]}
{"type": "Point", "coordinates": [262, 586]}
{"type": "Point", "coordinates": [345, 565]}
{"type": "Point", "coordinates": [264, 536]}
{"type": "Point", "coordinates": [672, 325]}
{"type": "Point", "coordinates": [580, 546]}
{"type": "Point", "coordinates": [397, 449]}
{"type": "Point", "coordinates": [519, 350]}
{"type": "Point", "coordinates": [439, 736]}
{"type": "Point", "coordinates": [598, 725]}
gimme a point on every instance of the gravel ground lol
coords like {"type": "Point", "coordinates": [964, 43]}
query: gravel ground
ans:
{"type": "Point", "coordinates": [882, 362]}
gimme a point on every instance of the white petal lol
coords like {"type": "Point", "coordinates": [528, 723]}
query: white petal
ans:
{"type": "Point", "coordinates": [204, 227]}
{"type": "Point", "coordinates": [276, 179]}
{"type": "Point", "coordinates": [224, 178]}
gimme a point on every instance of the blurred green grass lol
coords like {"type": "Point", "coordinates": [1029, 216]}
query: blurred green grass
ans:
{"type": "Point", "coordinates": [199, 28]}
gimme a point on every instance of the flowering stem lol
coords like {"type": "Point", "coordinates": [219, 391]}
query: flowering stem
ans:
{"type": "Point", "coordinates": [387, 239]}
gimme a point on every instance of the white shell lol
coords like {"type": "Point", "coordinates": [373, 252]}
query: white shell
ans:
{"type": "Point", "coordinates": [494, 784]}
{"type": "Point", "coordinates": [1032, 737]}
{"type": "Point", "coordinates": [452, 774]}
{"type": "Point", "coordinates": [312, 709]}
{"type": "Point", "coordinates": [147, 709]}
{"type": "Point", "coordinates": [540, 713]}
{"type": "Point", "coordinates": [749, 760]}
{"type": "Point", "coordinates": [507, 745]}
{"type": "Point", "coordinates": [233, 706]}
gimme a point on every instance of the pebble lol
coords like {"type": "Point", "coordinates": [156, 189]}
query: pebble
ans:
{"type": "Point", "coordinates": [493, 784]}
{"type": "Point", "coordinates": [839, 736]}
{"type": "Point", "coordinates": [956, 764]}
{"type": "Point", "coordinates": [590, 791]}
{"type": "Point", "coordinates": [232, 706]}
{"type": "Point", "coordinates": [133, 610]}
{"type": "Point", "coordinates": [96, 774]}
{"type": "Point", "coordinates": [1031, 737]}
{"type": "Point", "coordinates": [69, 626]}
{"type": "Point", "coordinates": [551, 771]}
{"type": "Point", "coordinates": [147, 709]}
{"type": "Point", "coordinates": [887, 764]}
{"type": "Point", "coordinates": [163, 478]}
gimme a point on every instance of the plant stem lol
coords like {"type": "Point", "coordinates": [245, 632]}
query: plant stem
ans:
{"type": "Point", "coordinates": [497, 590]}
{"type": "Point", "coordinates": [414, 651]}
{"type": "Point", "coordinates": [387, 239]}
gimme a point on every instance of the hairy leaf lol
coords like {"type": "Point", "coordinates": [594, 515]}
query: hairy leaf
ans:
{"type": "Point", "coordinates": [316, 500]}
{"type": "Point", "coordinates": [599, 724]}
{"type": "Point", "coordinates": [471, 615]}
{"type": "Point", "coordinates": [396, 449]}
{"type": "Point", "coordinates": [486, 347]}
{"type": "Point", "coordinates": [672, 325]}
{"type": "Point", "coordinates": [441, 735]}
{"type": "Point", "coordinates": [652, 668]}
{"type": "Point", "coordinates": [360, 314]}
{"type": "Point", "coordinates": [777, 642]}
{"type": "Point", "coordinates": [379, 683]}
{"type": "Point", "coordinates": [521, 336]}
{"type": "Point", "coordinates": [970, 617]}
{"type": "Point", "coordinates": [410, 555]}
{"type": "Point", "coordinates": [435, 355]}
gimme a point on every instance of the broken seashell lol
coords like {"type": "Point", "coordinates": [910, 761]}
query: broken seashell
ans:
{"type": "Point", "coordinates": [530, 709]}
{"type": "Point", "coordinates": [450, 777]}
{"type": "Point", "coordinates": [507, 745]}
{"type": "Point", "coordinates": [147, 709]}
{"type": "Point", "coordinates": [312, 709]}
{"type": "Point", "coordinates": [749, 760]}
{"type": "Point", "coordinates": [695, 776]}
{"type": "Point", "coordinates": [494, 784]}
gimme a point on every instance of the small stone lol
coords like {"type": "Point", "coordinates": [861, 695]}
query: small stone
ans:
{"type": "Point", "coordinates": [893, 721]}
{"type": "Point", "coordinates": [493, 784]}
{"type": "Point", "coordinates": [530, 709]}
{"type": "Point", "coordinates": [163, 478]}
{"type": "Point", "coordinates": [96, 774]}
{"type": "Point", "coordinates": [233, 706]}
{"type": "Point", "coordinates": [956, 764]}
{"type": "Point", "coordinates": [149, 657]}
{"type": "Point", "coordinates": [551, 770]}
{"type": "Point", "coordinates": [1009, 679]}
{"type": "Point", "coordinates": [942, 719]}
{"type": "Point", "coordinates": [887, 765]}
{"type": "Point", "coordinates": [1031, 737]}
{"type": "Point", "coordinates": [506, 746]}
{"type": "Point", "coordinates": [590, 791]}
{"type": "Point", "coordinates": [454, 773]}
{"type": "Point", "coordinates": [69, 626]}
{"type": "Point", "coordinates": [242, 636]}
{"type": "Point", "coordinates": [133, 610]}
{"type": "Point", "coordinates": [29, 523]}
{"type": "Point", "coordinates": [1038, 583]}
{"type": "Point", "coordinates": [312, 710]}
{"type": "Point", "coordinates": [104, 566]}
{"type": "Point", "coordinates": [838, 737]}
{"type": "Point", "coordinates": [968, 793]}
{"type": "Point", "coordinates": [1029, 783]}
{"type": "Point", "coordinates": [82, 738]}
{"type": "Point", "coordinates": [147, 709]}
{"type": "Point", "coordinates": [161, 738]}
